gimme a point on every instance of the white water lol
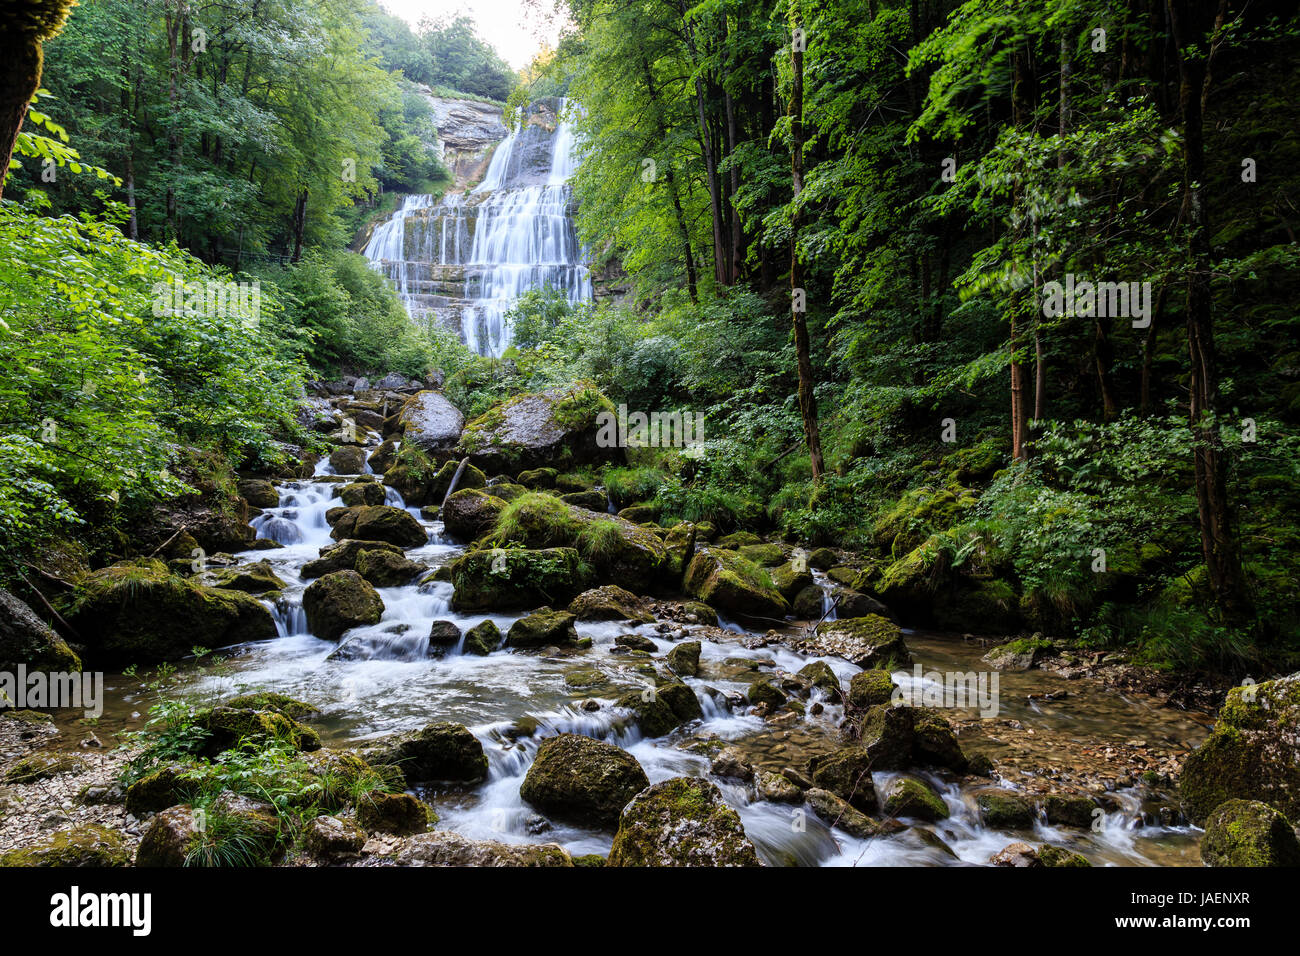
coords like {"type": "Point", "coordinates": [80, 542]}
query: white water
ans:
{"type": "Point", "coordinates": [465, 260]}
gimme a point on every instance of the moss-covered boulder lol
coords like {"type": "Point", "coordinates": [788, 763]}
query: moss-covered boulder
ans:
{"type": "Point", "coordinates": [836, 812]}
{"type": "Point", "coordinates": [934, 743]}
{"type": "Point", "coordinates": [504, 579]}
{"type": "Point", "coordinates": [555, 428]}
{"type": "Point", "coordinates": [870, 688]}
{"type": "Point", "coordinates": [589, 500]}
{"type": "Point", "coordinates": [360, 493]}
{"type": "Point", "coordinates": [256, 578]}
{"type": "Point", "coordinates": [790, 578]}
{"type": "Point", "coordinates": [581, 780]}
{"type": "Point", "coordinates": [385, 569]}
{"type": "Point", "coordinates": [681, 700]}
{"type": "Point", "coordinates": [471, 513]}
{"type": "Point", "coordinates": [1069, 810]}
{"type": "Point", "coordinates": [291, 707]}
{"type": "Point", "coordinates": [538, 478]}
{"type": "Point", "coordinates": [439, 752]}
{"type": "Point", "coordinates": [169, 838]}
{"type": "Point", "coordinates": [228, 727]}
{"type": "Point", "coordinates": [918, 514]}
{"type": "Point", "coordinates": [26, 639]}
{"type": "Point", "coordinates": [738, 539]}
{"type": "Point", "coordinates": [329, 838]}
{"type": "Point", "coordinates": [542, 628]}
{"type": "Point", "coordinates": [1249, 833]}
{"type": "Point", "coordinates": [910, 584]}
{"type": "Point", "coordinates": [681, 822]}
{"type": "Point", "coordinates": [84, 845]}
{"type": "Point", "coordinates": [41, 766]}
{"type": "Point", "coordinates": [138, 612]}
{"type": "Point", "coordinates": [852, 603]}
{"type": "Point", "coordinates": [727, 582]}
{"type": "Point", "coordinates": [165, 787]}
{"type": "Point", "coordinates": [445, 848]}
{"type": "Point", "coordinates": [764, 691]}
{"type": "Point", "coordinates": [1004, 810]}
{"type": "Point", "coordinates": [869, 642]}
{"type": "Point", "coordinates": [764, 555]}
{"type": "Point", "coordinates": [338, 602]}
{"type": "Point", "coordinates": [259, 493]}
{"type": "Point", "coordinates": [1253, 753]}
{"type": "Point", "coordinates": [343, 556]}
{"type": "Point", "coordinates": [430, 422]}
{"type": "Point", "coordinates": [819, 674]}
{"type": "Point", "coordinates": [482, 639]}
{"type": "Point", "coordinates": [348, 460]}
{"type": "Point", "coordinates": [380, 523]}
{"type": "Point", "coordinates": [1049, 855]}
{"type": "Point", "coordinates": [1020, 654]}
{"type": "Point", "coordinates": [649, 713]}
{"type": "Point", "coordinates": [679, 542]}
{"type": "Point", "coordinates": [396, 813]}
{"type": "Point", "coordinates": [847, 774]}
{"type": "Point", "coordinates": [808, 603]}
{"type": "Point", "coordinates": [910, 797]}
{"type": "Point", "coordinates": [610, 603]}
{"type": "Point", "coordinates": [684, 659]}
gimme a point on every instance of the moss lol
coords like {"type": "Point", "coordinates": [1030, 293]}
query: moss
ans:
{"type": "Point", "coordinates": [1002, 810]}
{"type": "Point", "coordinates": [86, 845]}
{"type": "Point", "coordinates": [482, 639]}
{"type": "Point", "coordinates": [920, 513]}
{"type": "Point", "coordinates": [766, 555]}
{"type": "Point", "coordinates": [582, 780]}
{"type": "Point", "coordinates": [1249, 833]}
{"type": "Point", "coordinates": [544, 626]}
{"type": "Point", "coordinates": [280, 703]}
{"type": "Point", "coordinates": [871, 687]}
{"type": "Point", "coordinates": [41, 767]}
{"type": "Point", "coordinates": [910, 797]}
{"type": "Point", "coordinates": [681, 822]}
{"type": "Point", "coordinates": [1049, 855]}
{"type": "Point", "coordinates": [725, 580]}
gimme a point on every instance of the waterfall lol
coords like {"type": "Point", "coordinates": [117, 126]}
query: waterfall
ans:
{"type": "Point", "coordinates": [465, 260]}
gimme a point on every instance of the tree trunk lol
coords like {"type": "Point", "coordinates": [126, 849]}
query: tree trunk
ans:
{"type": "Point", "coordinates": [299, 225]}
{"type": "Point", "coordinates": [20, 76]}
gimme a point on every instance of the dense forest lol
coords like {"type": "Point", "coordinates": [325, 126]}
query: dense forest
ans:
{"type": "Point", "coordinates": [987, 306]}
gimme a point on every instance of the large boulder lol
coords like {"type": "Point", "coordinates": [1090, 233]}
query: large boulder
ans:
{"type": "Point", "coordinates": [1253, 753]}
{"type": "Point", "coordinates": [431, 422]}
{"type": "Point", "coordinates": [255, 578]}
{"type": "Point", "coordinates": [169, 837]}
{"type": "Point", "coordinates": [398, 813]}
{"type": "Point", "coordinates": [847, 774]}
{"type": "Point", "coordinates": [380, 523]}
{"type": "Point", "coordinates": [542, 628]}
{"type": "Point", "coordinates": [870, 641]}
{"type": "Point", "coordinates": [727, 582]}
{"type": "Point", "coordinates": [259, 493]}
{"type": "Point", "coordinates": [610, 603]}
{"type": "Point", "coordinates": [360, 493]}
{"type": "Point", "coordinates": [681, 822]}
{"type": "Point", "coordinates": [339, 602]}
{"type": "Point", "coordinates": [471, 513]}
{"type": "Point", "coordinates": [26, 639]}
{"type": "Point", "coordinates": [581, 780]}
{"type": "Point", "coordinates": [445, 848]}
{"type": "Point", "coordinates": [343, 556]}
{"type": "Point", "coordinates": [504, 579]}
{"type": "Point", "coordinates": [384, 569]}
{"type": "Point", "coordinates": [1249, 833]}
{"type": "Point", "coordinates": [557, 428]}
{"type": "Point", "coordinates": [138, 612]}
{"type": "Point", "coordinates": [439, 752]}
{"type": "Point", "coordinates": [84, 845]}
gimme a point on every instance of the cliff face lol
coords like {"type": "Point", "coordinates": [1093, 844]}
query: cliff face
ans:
{"type": "Point", "coordinates": [467, 132]}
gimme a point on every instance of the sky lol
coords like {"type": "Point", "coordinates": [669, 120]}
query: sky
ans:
{"type": "Point", "coordinates": [508, 25]}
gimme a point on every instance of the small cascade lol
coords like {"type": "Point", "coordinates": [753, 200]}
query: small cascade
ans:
{"type": "Point", "coordinates": [465, 260]}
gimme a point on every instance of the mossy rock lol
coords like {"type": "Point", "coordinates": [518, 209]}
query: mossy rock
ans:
{"type": "Point", "coordinates": [934, 743]}
{"type": "Point", "coordinates": [138, 612]}
{"type": "Point", "coordinates": [1049, 855]}
{"type": "Point", "coordinates": [271, 700]}
{"type": "Point", "coordinates": [684, 659]}
{"type": "Point", "coordinates": [983, 606]}
{"type": "Point", "coordinates": [764, 555]}
{"type": "Point", "coordinates": [1253, 753]}
{"type": "Point", "coordinates": [820, 674]}
{"type": "Point", "coordinates": [165, 787]}
{"type": "Point", "coordinates": [256, 578]}
{"type": "Point", "coordinates": [836, 812]}
{"type": "Point", "coordinates": [579, 678]}
{"type": "Point", "coordinates": [1020, 654]}
{"type": "Point", "coordinates": [343, 556]}
{"type": "Point", "coordinates": [380, 523]}
{"type": "Point", "coordinates": [870, 688]}
{"type": "Point", "coordinates": [910, 797]}
{"type": "Point", "coordinates": [582, 780]}
{"type": "Point", "coordinates": [329, 838]}
{"type": "Point", "coordinates": [920, 513]}
{"type": "Point", "coordinates": [360, 493]}
{"type": "Point", "coordinates": [823, 559]}
{"type": "Point", "coordinates": [764, 691]}
{"type": "Point", "coordinates": [679, 542]}
{"type": "Point", "coordinates": [727, 582]}
{"type": "Point", "coordinates": [85, 845]}
{"type": "Point", "coordinates": [591, 500]}
{"type": "Point", "coordinates": [681, 700]}
{"type": "Point", "coordinates": [41, 767]}
{"type": "Point", "coordinates": [228, 727]}
{"type": "Point", "coordinates": [339, 602]}
{"type": "Point", "coordinates": [869, 642]}
{"type": "Point", "coordinates": [639, 514]}
{"type": "Point", "coordinates": [27, 640]}
{"type": "Point", "coordinates": [556, 428]}
{"type": "Point", "coordinates": [384, 569]}
{"type": "Point", "coordinates": [441, 751]}
{"type": "Point", "coordinates": [482, 639]}
{"type": "Point", "coordinates": [610, 603]}
{"type": "Point", "coordinates": [808, 603]}
{"type": "Point", "coordinates": [471, 513]}
{"type": "Point", "coordinates": [1249, 833]}
{"type": "Point", "coordinates": [259, 493]}
{"type": "Point", "coordinates": [542, 628]}
{"type": "Point", "coordinates": [790, 578]}
{"type": "Point", "coordinates": [397, 813]}
{"type": "Point", "coordinates": [470, 478]}
{"type": "Point", "coordinates": [503, 579]}
{"type": "Point", "coordinates": [910, 584]}
{"type": "Point", "coordinates": [1003, 810]}
{"type": "Point", "coordinates": [738, 539]}
{"type": "Point", "coordinates": [1069, 810]}
{"type": "Point", "coordinates": [649, 713]}
{"type": "Point", "coordinates": [847, 774]}
{"type": "Point", "coordinates": [681, 822]}
{"type": "Point", "coordinates": [538, 478]}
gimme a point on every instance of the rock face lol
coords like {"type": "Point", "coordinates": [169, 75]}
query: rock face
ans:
{"type": "Point", "coordinates": [380, 523]}
{"type": "Point", "coordinates": [431, 422]}
{"type": "Point", "coordinates": [724, 580]}
{"type": "Point", "coordinates": [137, 612]}
{"type": "Point", "coordinates": [581, 780]}
{"type": "Point", "coordinates": [681, 822]}
{"type": "Point", "coordinates": [470, 513]}
{"type": "Point", "coordinates": [555, 428]}
{"type": "Point", "coordinates": [870, 641]}
{"type": "Point", "coordinates": [1249, 833]}
{"type": "Point", "coordinates": [1252, 754]}
{"type": "Point", "coordinates": [502, 579]}
{"type": "Point", "coordinates": [444, 848]}
{"type": "Point", "coordinates": [26, 639]}
{"type": "Point", "coordinates": [467, 130]}
{"type": "Point", "coordinates": [339, 602]}
{"type": "Point", "coordinates": [439, 752]}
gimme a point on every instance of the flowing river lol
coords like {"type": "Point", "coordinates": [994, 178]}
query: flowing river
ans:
{"type": "Point", "coordinates": [391, 683]}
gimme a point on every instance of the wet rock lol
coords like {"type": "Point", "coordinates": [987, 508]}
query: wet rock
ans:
{"type": "Point", "coordinates": [445, 848]}
{"type": "Point", "coordinates": [538, 478]}
{"type": "Point", "coordinates": [738, 539]}
{"type": "Point", "coordinates": [1003, 810]}
{"type": "Point", "coordinates": [1018, 655]}
{"type": "Point", "coordinates": [504, 579]}
{"type": "Point", "coordinates": [541, 628]}
{"type": "Point", "coordinates": [482, 639]}
{"type": "Point", "coordinates": [850, 604]}
{"type": "Point", "coordinates": [610, 603]}
{"type": "Point", "coordinates": [910, 797]}
{"type": "Point", "coordinates": [85, 845]}
{"type": "Point", "coordinates": [380, 523]}
{"type": "Point", "coordinates": [581, 780]}
{"type": "Point", "coordinates": [383, 457]}
{"type": "Point", "coordinates": [789, 579]}
{"type": "Point", "coordinates": [387, 569]}
{"type": "Point", "coordinates": [443, 634]}
{"type": "Point", "coordinates": [1249, 833]}
{"type": "Point", "coordinates": [26, 639]}
{"type": "Point", "coordinates": [764, 691]}
{"type": "Point", "coordinates": [1069, 810]}
{"type": "Point", "coordinates": [1016, 855]}
{"type": "Point", "coordinates": [397, 813]}
{"type": "Point", "coordinates": [819, 674]}
{"type": "Point", "coordinates": [165, 787]}
{"type": "Point", "coordinates": [681, 822]}
{"type": "Point", "coordinates": [730, 762]}
{"type": "Point", "coordinates": [228, 726]}
{"type": "Point", "coordinates": [348, 460]}
{"type": "Point", "coordinates": [1050, 855]}
{"type": "Point", "coordinates": [553, 428]}
{"type": "Point", "coordinates": [636, 642]}
{"type": "Point", "coordinates": [679, 543]}
{"type": "Point", "coordinates": [776, 788]}
{"type": "Point", "coordinates": [869, 642]}
{"type": "Point", "coordinates": [681, 700]}
{"type": "Point", "coordinates": [168, 839]}
{"type": "Point", "coordinates": [256, 578]}
{"type": "Point", "coordinates": [259, 493]}
{"type": "Point", "coordinates": [933, 741]}
{"type": "Point", "coordinates": [338, 602]}
{"type": "Point", "coordinates": [837, 812]}
{"type": "Point", "coordinates": [727, 582]}
{"type": "Point", "coordinates": [765, 555]}
{"type": "Point", "coordinates": [807, 604]}
{"type": "Point", "coordinates": [343, 556]}
{"type": "Point", "coordinates": [684, 659]}
{"type": "Point", "coordinates": [870, 688]}
{"type": "Point", "coordinates": [823, 559]}
{"type": "Point", "coordinates": [1253, 753]}
{"type": "Point", "coordinates": [471, 513]}
{"type": "Point", "coordinates": [361, 493]}
{"type": "Point", "coordinates": [431, 422]}
{"type": "Point", "coordinates": [42, 766]}
{"type": "Point", "coordinates": [847, 774]}
{"type": "Point", "coordinates": [439, 752]}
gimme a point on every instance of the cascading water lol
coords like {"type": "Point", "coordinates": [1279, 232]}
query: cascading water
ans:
{"type": "Point", "coordinates": [465, 260]}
